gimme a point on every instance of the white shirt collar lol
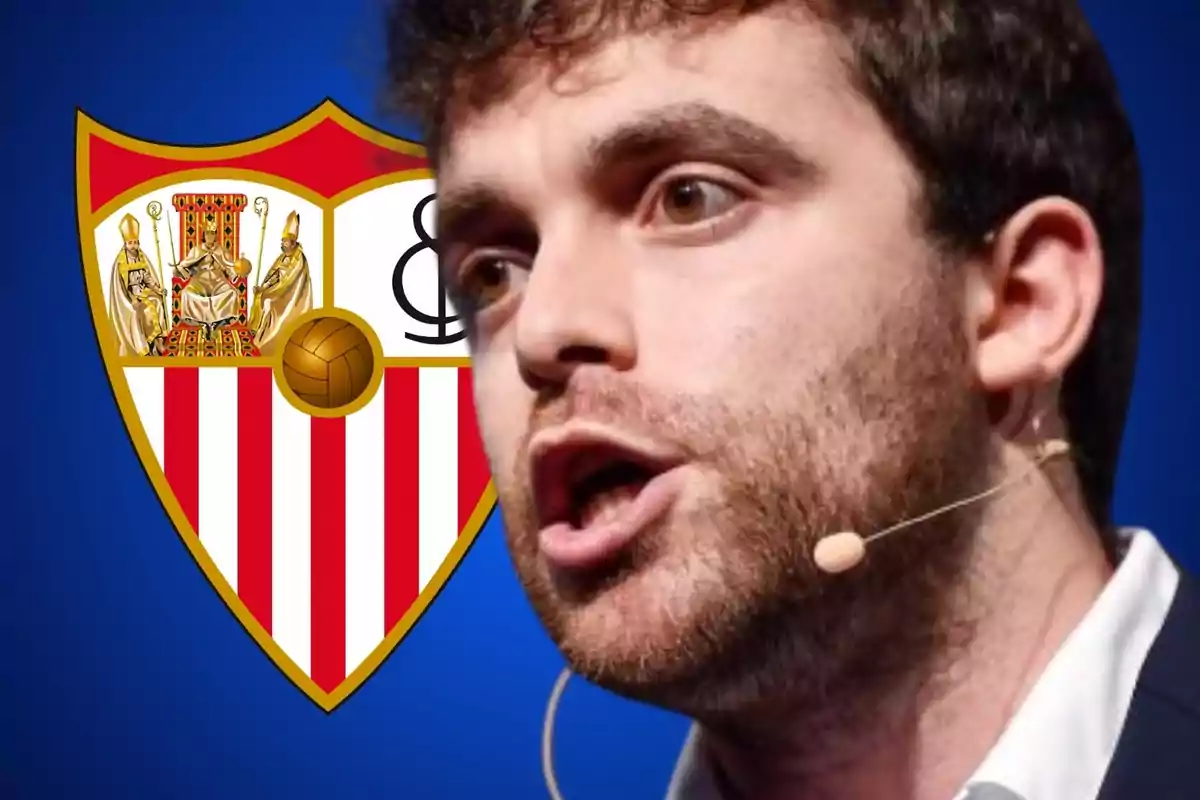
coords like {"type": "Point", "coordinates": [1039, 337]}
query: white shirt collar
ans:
{"type": "Point", "coordinates": [1059, 744]}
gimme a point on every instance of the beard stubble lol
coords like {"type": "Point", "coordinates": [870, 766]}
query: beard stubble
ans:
{"type": "Point", "coordinates": [719, 609]}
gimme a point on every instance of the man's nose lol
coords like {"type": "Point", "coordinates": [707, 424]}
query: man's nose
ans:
{"type": "Point", "coordinates": [574, 311]}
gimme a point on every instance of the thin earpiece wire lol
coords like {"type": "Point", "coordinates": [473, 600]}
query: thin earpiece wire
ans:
{"type": "Point", "coordinates": [556, 694]}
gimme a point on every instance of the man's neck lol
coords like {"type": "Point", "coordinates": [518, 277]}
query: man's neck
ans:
{"type": "Point", "coordinates": [1036, 572]}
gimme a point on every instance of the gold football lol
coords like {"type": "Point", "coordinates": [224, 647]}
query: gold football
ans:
{"type": "Point", "coordinates": [328, 363]}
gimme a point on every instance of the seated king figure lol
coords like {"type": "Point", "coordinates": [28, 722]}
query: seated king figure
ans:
{"type": "Point", "coordinates": [210, 299]}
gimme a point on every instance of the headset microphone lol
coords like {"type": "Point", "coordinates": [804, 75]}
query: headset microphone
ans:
{"type": "Point", "coordinates": [839, 552]}
{"type": "Point", "coordinates": [835, 553]}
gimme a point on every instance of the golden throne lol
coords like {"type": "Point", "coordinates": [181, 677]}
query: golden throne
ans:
{"type": "Point", "coordinates": [196, 211]}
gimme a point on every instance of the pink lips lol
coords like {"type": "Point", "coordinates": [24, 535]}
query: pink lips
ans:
{"type": "Point", "coordinates": [591, 546]}
{"type": "Point", "coordinates": [562, 461]}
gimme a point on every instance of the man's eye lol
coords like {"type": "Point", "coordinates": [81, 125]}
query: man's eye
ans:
{"type": "Point", "coordinates": [487, 279]}
{"type": "Point", "coordinates": [690, 201]}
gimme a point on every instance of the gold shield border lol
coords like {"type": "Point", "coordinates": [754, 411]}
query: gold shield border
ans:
{"type": "Point", "coordinates": [86, 128]}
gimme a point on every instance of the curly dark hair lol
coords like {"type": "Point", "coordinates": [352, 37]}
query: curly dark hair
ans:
{"type": "Point", "coordinates": [997, 103]}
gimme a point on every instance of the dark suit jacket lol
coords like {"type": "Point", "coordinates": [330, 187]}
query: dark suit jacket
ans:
{"type": "Point", "coordinates": [1158, 754]}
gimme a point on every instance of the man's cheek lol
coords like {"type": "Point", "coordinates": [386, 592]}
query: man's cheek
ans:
{"type": "Point", "coordinates": [500, 433]}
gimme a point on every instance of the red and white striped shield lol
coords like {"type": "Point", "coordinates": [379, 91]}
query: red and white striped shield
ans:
{"type": "Point", "coordinates": [273, 323]}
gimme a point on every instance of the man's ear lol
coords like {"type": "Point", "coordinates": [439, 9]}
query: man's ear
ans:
{"type": "Point", "coordinates": [1032, 299]}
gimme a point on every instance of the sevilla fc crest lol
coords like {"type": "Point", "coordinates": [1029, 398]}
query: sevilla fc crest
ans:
{"type": "Point", "coordinates": [272, 320]}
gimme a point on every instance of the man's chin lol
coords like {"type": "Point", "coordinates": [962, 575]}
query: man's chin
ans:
{"type": "Point", "coordinates": [635, 634]}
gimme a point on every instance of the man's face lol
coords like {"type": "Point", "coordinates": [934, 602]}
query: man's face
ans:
{"type": "Point", "coordinates": [704, 252]}
{"type": "Point", "coordinates": [210, 238]}
{"type": "Point", "coordinates": [132, 247]}
{"type": "Point", "coordinates": [287, 244]}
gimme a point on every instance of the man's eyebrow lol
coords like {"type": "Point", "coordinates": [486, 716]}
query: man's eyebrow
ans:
{"type": "Point", "coordinates": [462, 208]}
{"type": "Point", "coordinates": [695, 130]}
{"type": "Point", "coordinates": [698, 130]}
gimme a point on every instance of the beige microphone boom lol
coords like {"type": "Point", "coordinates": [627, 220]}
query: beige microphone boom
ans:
{"type": "Point", "coordinates": [845, 550]}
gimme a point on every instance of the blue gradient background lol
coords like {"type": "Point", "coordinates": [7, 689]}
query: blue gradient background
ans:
{"type": "Point", "coordinates": [123, 675]}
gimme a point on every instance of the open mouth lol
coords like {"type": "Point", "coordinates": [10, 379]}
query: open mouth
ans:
{"type": "Point", "coordinates": [588, 481]}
